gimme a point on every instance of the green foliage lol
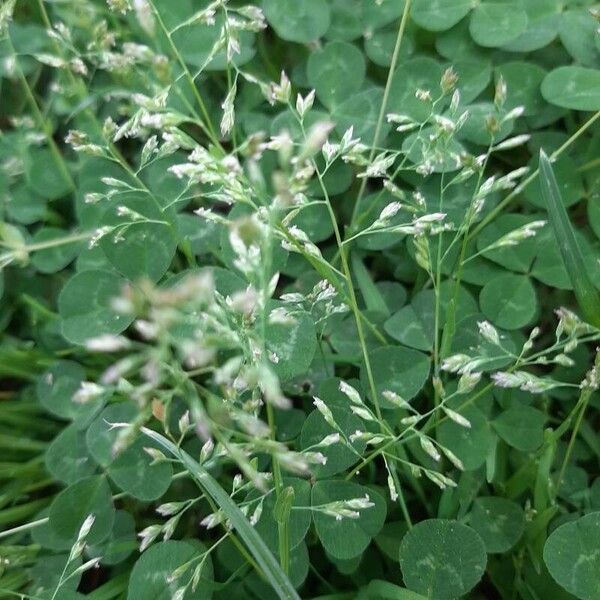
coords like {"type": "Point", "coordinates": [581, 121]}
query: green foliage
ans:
{"type": "Point", "coordinates": [571, 555]}
{"type": "Point", "coordinates": [299, 299]}
{"type": "Point", "coordinates": [442, 559]}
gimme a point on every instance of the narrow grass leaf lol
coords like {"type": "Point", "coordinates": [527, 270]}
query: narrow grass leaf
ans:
{"type": "Point", "coordinates": [277, 578]}
{"type": "Point", "coordinates": [585, 292]}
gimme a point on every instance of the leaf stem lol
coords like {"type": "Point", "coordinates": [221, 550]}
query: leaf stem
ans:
{"type": "Point", "coordinates": [384, 102]}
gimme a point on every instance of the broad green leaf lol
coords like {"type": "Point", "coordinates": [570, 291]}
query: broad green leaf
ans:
{"type": "Point", "coordinates": [381, 13]}
{"type": "Point", "coordinates": [518, 257]}
{"type": "Point", "coordinates": [417, 73]}
{"type": "Point", "coordinates": [346, 538]}
{"type": "Point", "coordinates": [46, 537]}
{"type": "Point", "coordinates": [71, 507]}
{"type": "Point", "coordinates": [121, 542]}
{"type": "Point", "coordinates": [67, 458]}
{"type": "Point", "coordinates": [571, 554]}
{"type": "Point", "coordinates": [346, 20]}
{"type": "Point", "coordinates": [573, 87]}
{"type": "Point", "coordinates": [549, 267]}
{"type": "Point", "coordinates": [259, 550]}
{"type": "Point", "coordinates": [397, 369]}
{"type": "Point", "coordinates": [300, 21]}
{"type": "Point", "coordinates": [361, 111]}
{"type": "Point", "coordinates": [46, 574]}
{"type": "Point", "coordinates": [457, 44]}
{"type": "Point", "coordinates": [151, 574]}
{"type": "Point", "coordinates": [140, 246]}
{"type": "Point", "coordinates": [292, 346]}
{"type": "Point", "coordinates": [389, 538]}
{"type": "Point", "coordinates": [197, 42]}
{"type": "Point", "coordinates": [442, 559]}
{"type": "Point", "coordinates": [315, 428]}
{"type": "Point", "coordinates": [521, 427]}
{"type": "Point", "coordinates": [579, 34]}
{"type": "Point", "coordinates": [441, 155]}
{"type": "Point", "coordinates": [56, 258]}
{"type": "Point", "coordinates": [543, 20]}
{"type": "Point", "coordinates": [57, 386]}
{"type": "Point", "coordinates": [24, 205]}
{"type": "Point", "coordinates": [475, 129]}
{"type": "Point", "coordinates": [523, 80]}
{"type": "Point", "coordinates": [509, 301]}
{"type": "Point", "coordinates": [380, 46]}
{"type": "Point", "coordinates": [470, 445]}
{"type": "Point", "coordinates": [499, 522]}
{"type": "Point", "coordinates": [336, 72]}
{"type": "Point", "coordinates": [467, 339]}
{"type": "Point", "coordinates": [315, 221]}
{"type": "Point", "coordinates": [414, 325]}
{"type": "Point", "coordinates": [84, 305]}
{"type": "Point", "coordinates": [44, 174]}
{"type": "Point", "coordinates": [131, 469]}
{"type": "Point", "coordinates": [439, 15]}
{"type": "Point", "coordinates": [473, 77]}
{"type": "Point", "coordinates": [497, 23]}
{"type": "Point", "coordinates": [344, 333]}
{"type": "Point", "coordinates": [585, 292]}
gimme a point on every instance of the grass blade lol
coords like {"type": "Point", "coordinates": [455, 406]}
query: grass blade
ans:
{"type": "Point", "coordinates": [259, 550]}
{"type": "Point", "coordinates": [585, 291]}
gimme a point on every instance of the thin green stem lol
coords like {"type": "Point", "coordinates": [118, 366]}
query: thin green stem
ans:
{"type": "Point", "coordinates": [384, 102]}
{"type": "Point", "coordinates": [494, 213]}
{"type": "Point", "coordinates": [586, 394]}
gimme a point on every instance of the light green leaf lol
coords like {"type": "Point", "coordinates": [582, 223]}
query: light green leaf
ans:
{"type": "Point", "coordinates": [499, 522]}
{"type": "Point", "coordinates": [151, 574]}
{"type": "Point", "coordinates": [417, 73]}
{"type": "Point", "coordinates": [131, 469]}
{"type": "Point", "coordinates": [70, 508]}
{"type": "Point", "coordinates": [571, 554]}
{"type": "Point", "coordinates": [294, 345]}
{"type": "Point", "coordinates": [509, 301]}
{"type": "Point", "coordinates": [67, 458]}
{"type": "Point", "coordinates": [573, 87]}
{"type": "Point", "coordinates": [336, 72]}
{"type": "Point", "coordinates": [439, 15]}
{"type": "Point", "coordinates": [85, 306]}
{"type": "Point", "coordinates": [470, 445]}
{"type": "Point", "coordinates": [361, 111]}
{"type": "Point", "coordinates": [397, 369]}
{"type": "Point", "coordinates": [521, 427]}
{"type": "Point", "coordinates": [523, 80]}
{"type": "Point", "coordinates": [121, 542]}
{"type": "Point", "coordinates": [339, 456]}
{"type": "Point", "coordinates": [54, 259]}
{"type": "Point", "coordinates": [544, 18]}
{"type": "Point", "coordinates": [55, 390]}
{"type": "Point", "coordinates": [578, 34]}
{"type": "Point", "coordinates": [442, 559]}
{"type": "Point", "coordinates": [298, 20]}
{"type": "Point", "coordinates": [346, 538]}
{"type": "Point", "coordinates": [497, 23]}
{"type": "Point", "coordinates": [142, 246]}
{"type": "Point", "coordinates": [44, 174]}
